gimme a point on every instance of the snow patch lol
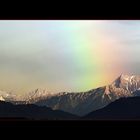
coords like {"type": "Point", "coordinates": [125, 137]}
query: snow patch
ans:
{"type": "Point", "coordinates": [1, 98]}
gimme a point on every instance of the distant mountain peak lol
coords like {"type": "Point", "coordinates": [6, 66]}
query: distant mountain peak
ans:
{"type": "Point", "coordinates": [125, 77]}
{"type": "Point", "coordinates": [1, 98]}
{"type": "Point", "coordinates": [128, 82]}
{"type": "Point", "coordinates": [37, 94]}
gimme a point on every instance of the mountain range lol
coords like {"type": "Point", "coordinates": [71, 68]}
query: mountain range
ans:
{"type": "Point", "coordinates": [81, 103]}
{"type": "Point", "coordinates": [84, 102]}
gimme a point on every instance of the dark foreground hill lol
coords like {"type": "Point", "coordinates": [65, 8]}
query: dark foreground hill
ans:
{"type": "Point", "coordinates": [30, 111]}
{"type": "Point", "coordinates": [121, 109]}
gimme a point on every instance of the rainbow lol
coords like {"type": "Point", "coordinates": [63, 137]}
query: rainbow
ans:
{"type": "Point", "coordinates": [92, 51]}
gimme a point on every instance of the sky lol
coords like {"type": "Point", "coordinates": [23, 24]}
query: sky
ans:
{"type": "Point", "coordinates": [66, 55]}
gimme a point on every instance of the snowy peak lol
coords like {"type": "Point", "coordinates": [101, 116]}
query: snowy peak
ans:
{"type": "Point", "coordinates": [127, 82]}
{"type": "Point", "coordinates": [1, 98]}
{"type": "Point", "coordinates": [8, 96]}
{"type": "Point", "coordinates": [37, 94]}
{"type": "Point", "coordinates": [5, 96]}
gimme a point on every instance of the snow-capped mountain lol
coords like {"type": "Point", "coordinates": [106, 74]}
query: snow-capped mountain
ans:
{"type": "Point", "coordinates": [37, 95]}
{"type": "Point", "coordinates": [80, 103]}
{"type": "Point", "coordinates": [1, 98]}
{"type": "Point", "coordinates": [84, 102]}
{"type": "Point", "coordinates": [130, 83]}
{"type": "Point", "coordinates": [5, 96]}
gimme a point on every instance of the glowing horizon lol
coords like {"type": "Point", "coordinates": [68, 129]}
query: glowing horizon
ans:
{"type": "Point", "coordinates": [66, 55]}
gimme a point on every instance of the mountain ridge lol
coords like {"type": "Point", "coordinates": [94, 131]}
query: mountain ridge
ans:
{"type": "Point", "coordinates": [31, 111]}
{"type": "Point", "coordinates": [94, 99]}
{"type": "Point", "coordinates": [81, 103]}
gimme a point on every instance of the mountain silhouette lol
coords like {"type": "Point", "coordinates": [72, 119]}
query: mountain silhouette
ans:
{"type": "Point", "coordinates": [121, 109]}
{"type": "Point", "coordinates": [30, 111]}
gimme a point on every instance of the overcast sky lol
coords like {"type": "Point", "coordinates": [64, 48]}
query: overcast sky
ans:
{"type": "Point", "coordinates": [66, 55]}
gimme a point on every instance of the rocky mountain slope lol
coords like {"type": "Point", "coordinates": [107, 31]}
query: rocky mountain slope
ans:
{"type": "Point", "coordinates": [84, 102]}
